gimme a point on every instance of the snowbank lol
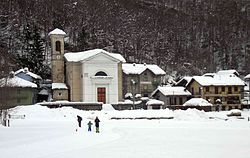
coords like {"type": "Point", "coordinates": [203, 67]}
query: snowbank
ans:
{"type": "Point", "coordinates": [197, 102]}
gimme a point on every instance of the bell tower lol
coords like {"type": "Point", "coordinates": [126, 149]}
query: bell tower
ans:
{"type": "Point", "coordinates": [57, 55]}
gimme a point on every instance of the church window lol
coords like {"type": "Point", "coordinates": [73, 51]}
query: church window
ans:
{"type": "Point", "coordinates": [58, 46]}
{"type": "Point", "coordinates": [101, 73]}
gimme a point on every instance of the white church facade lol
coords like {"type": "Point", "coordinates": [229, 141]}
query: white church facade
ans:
{"type": "Point", "coordinates": [88, 76]}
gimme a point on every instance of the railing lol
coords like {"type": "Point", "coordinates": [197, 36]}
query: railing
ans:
{"type": "Point", "coordinates": [233, 102]}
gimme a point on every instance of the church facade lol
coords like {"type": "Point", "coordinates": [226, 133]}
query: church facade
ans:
{"type": "Point", "coordinates": [88, 76]}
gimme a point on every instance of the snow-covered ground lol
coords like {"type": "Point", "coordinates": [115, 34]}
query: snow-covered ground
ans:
{"type": "Point", "coordinates": [51, 133]}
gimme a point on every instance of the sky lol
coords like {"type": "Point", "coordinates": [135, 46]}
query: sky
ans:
{"type": "Point", "coordinates": [51, 133]}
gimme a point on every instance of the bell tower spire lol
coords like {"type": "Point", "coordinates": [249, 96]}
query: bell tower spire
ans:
{"type": "Point", "coordinates": [57, 55]}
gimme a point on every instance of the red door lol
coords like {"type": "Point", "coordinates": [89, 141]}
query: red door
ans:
{"type": "Point", "coordinates": [101, 94]}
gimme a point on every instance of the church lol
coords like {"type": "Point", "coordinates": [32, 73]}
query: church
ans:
{"type": "Point", "coordinates": [88, 76]}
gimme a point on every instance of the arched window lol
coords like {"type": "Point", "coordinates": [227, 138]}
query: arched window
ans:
{"type": "Point", "coordinates": [101, 73]}
{"type": "Point", "coordinates": [58, 46]}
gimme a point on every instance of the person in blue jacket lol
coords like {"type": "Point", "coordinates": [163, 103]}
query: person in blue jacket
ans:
{"type": "Point", "coordinates": [89, 126]}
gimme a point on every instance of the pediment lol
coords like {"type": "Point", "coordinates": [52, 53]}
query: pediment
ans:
{"type": "Point", "coordinates": [101, 58]}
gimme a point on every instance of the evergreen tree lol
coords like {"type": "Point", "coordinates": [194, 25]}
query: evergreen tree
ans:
{"type": "Point", "coordinates": [82, 38]}
{"type": "Point", "coordinates": [33, 50]}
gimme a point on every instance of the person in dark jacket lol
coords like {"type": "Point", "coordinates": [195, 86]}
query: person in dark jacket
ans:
{"type": "Point", "coordinates": [97, 125]}
{"type": "Point", "coordinates": [79, 119]}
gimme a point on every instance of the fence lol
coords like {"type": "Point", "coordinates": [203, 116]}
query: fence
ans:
{"type": "Point", "coordinates": [77, 105]}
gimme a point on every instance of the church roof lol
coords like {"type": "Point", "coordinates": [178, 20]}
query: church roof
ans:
{"type": "Point", "coordinates": [57, 32]}
{"type": "Point", "coordinates": [80, 56]}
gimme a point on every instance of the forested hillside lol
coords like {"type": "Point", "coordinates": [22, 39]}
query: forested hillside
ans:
{"type": "Point", "coordinates": [187, 36]}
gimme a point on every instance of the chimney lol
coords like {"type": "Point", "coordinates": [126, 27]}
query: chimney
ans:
{"type": "Point", "coordinates": [12, 74]}
{"type": "Point", "coordinates": [26, 70]}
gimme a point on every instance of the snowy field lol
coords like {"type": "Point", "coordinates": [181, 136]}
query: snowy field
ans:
{"type": "Point", "coordinates": [51, 133]}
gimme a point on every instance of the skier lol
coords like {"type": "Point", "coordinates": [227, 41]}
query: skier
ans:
{"type": "Point", "coordinates": [79, 119]}
{"type": "Point", "coordinates": [89, 125]}
{"type": "Point", "coordinates": [97, 124]}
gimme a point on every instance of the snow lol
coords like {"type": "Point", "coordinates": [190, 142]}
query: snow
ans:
{"type": "Point", "coordinates": [51, 133]}
{"type": "Point", "coordinates": [167, 90]}
{"type": "Point", "coordinates": [44, 92]}
{"type": "Point", "coordinates": [16, 82]}
{"type": "Point", "coordinates": [26, 71]}
{"type": "Point", "coordinates": [185, 78]}
{"type": "Point", "coordinates": [107, 107]}
{"type": "Point", "coordinates": [80, 56]}
{"type": "Point", "coordinates": [59, 86]}
{"type": "Point", "coordinates": [140, 68]}
{"type": "Point", "coordinates": [219, 80]}
{"type": "Point", "coordinates": [57, 32]}
{"type": "Point", "coordinates": [197, 102]}
{"type": "Point", "coordinates": [127, 101]}
{"type": "Point", "coordinates": [127, 95]}
{"type": "Point", "coordinates": [247, 76]}
{"type": "Point", "coordinates": [228, 72]}
{"type": "Point", "coordinates": [154, 102]}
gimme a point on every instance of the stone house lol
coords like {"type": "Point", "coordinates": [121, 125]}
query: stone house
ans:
{"type": "Point", "coordinates": [141, 78]}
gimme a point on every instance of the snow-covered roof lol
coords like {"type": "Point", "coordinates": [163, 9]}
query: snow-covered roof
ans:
{"type": "Point", "coordinates": [247, 76]}
{"type": "Point", "coordinates": [197, 102]}
{"type": "Point", "coordinates": [154, 102]}
{"type": "Point", "coordinates": [184, 79]}
{"type": "Point", "coordinates": [139, 68]}
{"type": "Point", "coordinates": [57, 32]}
{"type": "Point", "coordinates": [219, 80]}
{"type": "Point", "coordinates": [80, 56]}
{"type": "Point", "coordinates": [16, 82]}
{"type": "Point", "coordinates": [167, 90]}
{"type": "Point", "coordinates": [209, 74]}
{"type": "Point", "coordinates": [59, 86]}
{"type": "Point", "coordinates": [44, 92]}
{"type": "Point", "coordinates": [26, 71]}
{"type": "Point", "coordinates": [228, 72]}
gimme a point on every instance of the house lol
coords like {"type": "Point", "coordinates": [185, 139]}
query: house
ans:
{"type": "Point", "coordinates": [27, 75]}
{"type": "Point", "coordinates": [171, 96]}
{"type": "Point", "coordinates": [17, 91]}
{"type": "Point", "coordinates": [88, 76]}
{"type": "Point", "coordinates": [141, 78]}
{"type": "Point", "coordinates": [218, 89]}
{"type": "Point", "coordinates": [247, 90]}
